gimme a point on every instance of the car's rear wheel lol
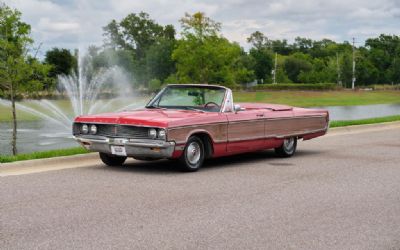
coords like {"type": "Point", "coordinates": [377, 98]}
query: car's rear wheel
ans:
{"type": "Point", "coordinates": [193, 155]}
{"type": "Point", "coordinates": [288, 147]}
{"type": "Point", "coordinates": [112, 160]}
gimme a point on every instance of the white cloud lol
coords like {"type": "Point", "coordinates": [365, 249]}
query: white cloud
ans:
{"type": "Point", "coordinates": [45, 24]}
{"type": "Point", "coordinates": [73, 23]}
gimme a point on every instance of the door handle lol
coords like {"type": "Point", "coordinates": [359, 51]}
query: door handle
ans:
{"type": "Point", "coordinates": [260, 115]}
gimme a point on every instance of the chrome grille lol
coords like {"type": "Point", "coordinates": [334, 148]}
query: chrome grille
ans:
{"type": "Point", "coordinates": [132, 132]}
{"type": "Point", "coordinates": [114, 130]}
{"type": "Point", "coordinates": [107, 130]}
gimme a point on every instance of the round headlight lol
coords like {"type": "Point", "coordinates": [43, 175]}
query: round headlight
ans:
{"type": "Point", "coordinates": [93, 129]}
{"type": "Point", "coordinates": [152, 133]}
{"type": "Point", "coordinates": [161, 133]}
{"type": "Point", "coordinates": [85, 128]}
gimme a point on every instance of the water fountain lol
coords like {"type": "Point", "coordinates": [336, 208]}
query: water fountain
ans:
{"type": "Point", "coordinates": [88, 92]}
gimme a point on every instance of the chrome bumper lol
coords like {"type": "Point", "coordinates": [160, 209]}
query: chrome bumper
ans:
{"type": "Point", "coordinates": [139, 148]}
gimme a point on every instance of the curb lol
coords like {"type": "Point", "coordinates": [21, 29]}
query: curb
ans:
{"type": "Point", "coordinates": [53, 160]}
{"type": "Point", "coordinates": [94, 156]}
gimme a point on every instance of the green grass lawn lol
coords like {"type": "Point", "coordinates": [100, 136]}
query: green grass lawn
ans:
{"type": "Point", "coordinates": [334, 124]}
{"type": "Point", "coordinates": [318, 98]}
{"type": "Point", "coordinates": [42, 155]}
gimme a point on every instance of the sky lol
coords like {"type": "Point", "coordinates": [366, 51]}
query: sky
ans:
{"type": "Point", "coordinates": [78, 23]}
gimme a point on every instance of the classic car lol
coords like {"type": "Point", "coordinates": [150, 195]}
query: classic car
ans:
{"type": "Point", "coordinates": [193, 122]}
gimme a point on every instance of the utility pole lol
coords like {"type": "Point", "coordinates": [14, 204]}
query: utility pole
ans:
{"type": "Point", "coordinates": [353, 79]}
{"type": "Point", "coordinates": [276, 62]}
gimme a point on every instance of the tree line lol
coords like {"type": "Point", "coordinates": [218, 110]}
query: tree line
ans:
{"type": "Point", "coordinates": [152, 55]}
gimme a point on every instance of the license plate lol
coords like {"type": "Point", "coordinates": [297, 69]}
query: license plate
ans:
{"type": "Point", "coordinates": [118, 150]}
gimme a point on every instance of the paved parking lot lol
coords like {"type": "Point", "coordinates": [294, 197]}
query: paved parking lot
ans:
{"type": "Point", "coordinates": [341, 191]}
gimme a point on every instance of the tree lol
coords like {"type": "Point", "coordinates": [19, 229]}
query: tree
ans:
{"type": "Point", "coordinates": [199, 26]}
{"type": "Point", "coordinates": [263, 63]}
{"type": "Point", "coordinates": [61, 60]}
{"type": "Point", "coordinates": [296, 64]}
{"type": "Point", "coordinates": [384, 54]}
{"type": "Point", "coordinates": [14, 64]}
{"type": "Point", "coordinates": [262, 55]}
{"type": "Point", "coordinates": [258, 40]}
{"type": "Point", "coordinates": [303, 44]}
{"type": "Point", "coordinates": [203, 55]}
{"type": "Point", "coordinates": [136, 34]}
{"type": "Point", "coordinates": [159, 63]}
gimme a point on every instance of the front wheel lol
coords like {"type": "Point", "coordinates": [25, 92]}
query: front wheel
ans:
{"type": "Point", "coordinates": [193, 155]}
{"type": "Point", "coordinates": [112, 160]}
{"type": "Point", "coordinates": [288, 147]}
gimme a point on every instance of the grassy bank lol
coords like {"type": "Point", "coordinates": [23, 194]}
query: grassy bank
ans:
{"type": "Point", "coordinates": [335, 124]}
{"type": "Point", "coordinates": [320, 98]}
{"type": "Point", "coordinates": [42, 155]}
{"type": "Point", "coordinates": [79, 150]}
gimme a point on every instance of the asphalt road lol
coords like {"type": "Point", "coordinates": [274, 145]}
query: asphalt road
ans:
{"type": "Point", "coordinates": [341, 191]}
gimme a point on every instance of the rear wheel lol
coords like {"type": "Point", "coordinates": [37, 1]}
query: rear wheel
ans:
{"type": "Point", "coordinates": [288, 147]}
{"type": "Point", "coordinates": [193, 155]}
{"type": "Point", "coordinates": [112, 160]}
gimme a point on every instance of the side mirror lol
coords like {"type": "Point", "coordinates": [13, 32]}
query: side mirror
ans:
{"type": "Point", "coordinates": [237, 108]}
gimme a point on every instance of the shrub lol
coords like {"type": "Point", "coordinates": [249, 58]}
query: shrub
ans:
{"type": "Point", "coordinates": [296, 86]}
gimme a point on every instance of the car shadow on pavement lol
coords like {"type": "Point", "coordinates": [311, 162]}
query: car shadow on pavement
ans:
{"type": "Point", "coordinates": [267, 156]}
{"type": "Point", "coordinates": [172, 166]}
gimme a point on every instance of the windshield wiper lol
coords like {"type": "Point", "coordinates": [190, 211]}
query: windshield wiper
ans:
{"type": "Point", "coordinates": [152, 107]}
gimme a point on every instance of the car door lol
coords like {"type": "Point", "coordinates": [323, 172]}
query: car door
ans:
{"type": "Point", "coordinates": [246, 130]}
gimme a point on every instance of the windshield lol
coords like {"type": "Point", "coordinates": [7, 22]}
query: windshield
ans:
{"type": "Point", "coordinates": [202, 98]}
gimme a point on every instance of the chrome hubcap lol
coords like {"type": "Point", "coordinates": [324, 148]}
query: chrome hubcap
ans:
{"type": "Point", "coordinates": [193, 153]}
{"type": "Point", "coordinates": [288, 144]}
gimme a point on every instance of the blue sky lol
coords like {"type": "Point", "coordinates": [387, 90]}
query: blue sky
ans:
{"type": "Point", "coordinates": [78, 23]}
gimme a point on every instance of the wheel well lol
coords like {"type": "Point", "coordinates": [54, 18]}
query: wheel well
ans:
{"type": "Point", "coordinates": [207, 142]}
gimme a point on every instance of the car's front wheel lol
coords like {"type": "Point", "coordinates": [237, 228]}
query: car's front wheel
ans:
{"type": "Point", "coordinates": [112, 160]}
{"type": "Point", "coordinates": [193, 155]}
{"type": "Point", "coordinates": [288, 147]}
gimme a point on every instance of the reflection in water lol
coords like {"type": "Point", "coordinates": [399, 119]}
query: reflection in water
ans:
{"type": "Point", "coordinates": [42, 135]}
{"type": "Point", "coordinates": [362, 112]}
{"type": "Point", "coordinates": [35, 136]}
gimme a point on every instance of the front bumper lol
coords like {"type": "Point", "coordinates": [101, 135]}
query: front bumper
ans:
{"type": "Point", "coordinates": [137, 148]}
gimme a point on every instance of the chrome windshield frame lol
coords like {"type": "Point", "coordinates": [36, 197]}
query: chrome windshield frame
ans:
{"type": "Point", "coordinates": [226, 104]}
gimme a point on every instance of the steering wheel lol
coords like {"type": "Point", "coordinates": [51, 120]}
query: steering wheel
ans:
{"type": "Point", "coordinates": [213, 103]}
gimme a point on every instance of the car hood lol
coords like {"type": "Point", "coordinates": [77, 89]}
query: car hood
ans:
{"type": "Point", "coordinates": [152, 117]}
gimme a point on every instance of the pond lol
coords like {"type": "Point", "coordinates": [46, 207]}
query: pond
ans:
{"type": "Point", "coordinates": [35, 136]}
{"type": "Point", "coordinates": [41, 135]}
{"type": "Point", "coordinates": [362, 112]}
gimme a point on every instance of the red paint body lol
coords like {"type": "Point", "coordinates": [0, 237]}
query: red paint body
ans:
{"type": "Point", "coordinates": [265, 137]}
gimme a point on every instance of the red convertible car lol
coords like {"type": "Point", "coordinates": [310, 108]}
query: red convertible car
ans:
{"type": "Point", "coordinates": [191, 122]}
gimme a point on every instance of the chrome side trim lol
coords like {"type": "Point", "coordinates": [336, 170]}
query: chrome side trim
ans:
{"type": "Point", "coordinates": [294, 117]}
{"type": "Point", "coordinates": [198, 125]}
{"type": "Point", "coordinates": [215, 141]}
{"type": "Point", "coordinates": [246, 121]}
{"type": "Point", "coordinates": [297, 134]}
